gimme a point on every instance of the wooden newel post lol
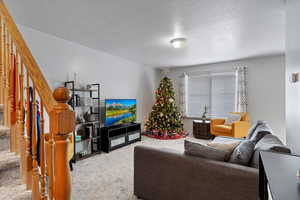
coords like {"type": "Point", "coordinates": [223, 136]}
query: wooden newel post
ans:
{"type": "Point", "coordinates": [62, 124]}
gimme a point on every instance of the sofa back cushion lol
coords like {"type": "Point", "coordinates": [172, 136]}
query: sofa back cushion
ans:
{"type": "Point", "coordinates": [268, 143]}
{"type": "Point", "coordinates": [229, 147]}
{"type": "Point", "coordinates": [213, 152]}
{"type": "Point", "coordinates": [253, 128]}
{"type": "Point", "coordinates": [242, 153]}
{"type": "Point", "coordinates": [260, 131]}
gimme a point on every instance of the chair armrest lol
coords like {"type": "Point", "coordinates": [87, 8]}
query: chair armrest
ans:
{"type": "Point", "coordinates": [217, 121]}
{"type": "Point", "coordinates": [164, 174]}
{"type": "Point", "coordinates": [240, 129]}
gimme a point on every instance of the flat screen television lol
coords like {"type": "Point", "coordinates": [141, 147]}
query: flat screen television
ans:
{"type": "Point", "coordinates": [119, 111]}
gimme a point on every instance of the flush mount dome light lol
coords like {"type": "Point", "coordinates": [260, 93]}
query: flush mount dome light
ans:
{"type": "Point", "coordinates": [178, 42]}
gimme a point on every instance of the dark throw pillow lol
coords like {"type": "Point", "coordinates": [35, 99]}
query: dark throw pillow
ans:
{"type": "Point", "coordinates": [242, 153]}
{"type": "Point", "coordinates": [253, 128]}
{"type": "Point", "coordinates": [204, 151]}
{"type": "Point", "coordinates": [261, 131]}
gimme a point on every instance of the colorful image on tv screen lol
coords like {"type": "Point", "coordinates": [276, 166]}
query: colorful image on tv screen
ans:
{"type": "Point", "coordinates": [120, 111]}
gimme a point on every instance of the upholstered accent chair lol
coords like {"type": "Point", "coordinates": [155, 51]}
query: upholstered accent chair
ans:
{"type": "Point", "coordinates": [237, 129]}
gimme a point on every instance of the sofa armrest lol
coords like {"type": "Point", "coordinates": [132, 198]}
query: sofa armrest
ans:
{"type": "Point", "coordinates": [162, 174]}
{"type": "Point", "coordinates": [240, 129]}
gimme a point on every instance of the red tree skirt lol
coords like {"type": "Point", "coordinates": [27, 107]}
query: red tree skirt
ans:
{"type": "Point", "coordinates": [165, 136]}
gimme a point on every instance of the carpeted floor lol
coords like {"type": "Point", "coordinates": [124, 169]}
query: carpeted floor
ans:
{"type": "Point", "coordinates": [103, 177]}
{"type": "Point", "coordinates": [110, 176]}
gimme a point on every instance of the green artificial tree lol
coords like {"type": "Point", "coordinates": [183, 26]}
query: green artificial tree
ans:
{"type": "Point", "coordinates": [165, 117]}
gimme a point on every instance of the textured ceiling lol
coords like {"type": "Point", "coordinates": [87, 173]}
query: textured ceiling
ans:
{"type": "Point", "coordinates": [140, 30]}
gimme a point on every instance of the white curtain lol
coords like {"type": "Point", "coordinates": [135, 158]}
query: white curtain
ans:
{"type": "Point", "coordinates": [183, 94]}
{"type": "Point", "coordinates": [241, 89]}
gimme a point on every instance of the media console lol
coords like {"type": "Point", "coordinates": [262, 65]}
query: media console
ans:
{"type": "Point", "coordinates": [114, 137]}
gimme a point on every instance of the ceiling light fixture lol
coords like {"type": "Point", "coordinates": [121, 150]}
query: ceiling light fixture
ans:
{"type": "Point", "coordinates": [178, 42]}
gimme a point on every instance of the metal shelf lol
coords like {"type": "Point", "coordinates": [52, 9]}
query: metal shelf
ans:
{"type": "Point", "coordinates": [94, 93]}
{"type": "Point", "coordinates": [83, 123]}
{"type": "Point", "coordinates": [84, 90]}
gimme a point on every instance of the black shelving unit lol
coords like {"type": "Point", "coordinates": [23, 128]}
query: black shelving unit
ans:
{"type": "Point", "coordinates": [91, 144]}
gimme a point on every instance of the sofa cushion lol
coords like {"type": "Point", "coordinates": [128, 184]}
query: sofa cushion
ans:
{"type": "Point", "coordinates": [229, 147]}
{"type": "Point", "coordinates": [204, 151]}
{"type": "Point", "coordinates": [253, 128]}
{"type": "Point", "coordinates": [243, 153]}
{"type": "Point", "coordinates": [268, 143]}
{"type": "Point", "coordinates": [232, 117]}
{"type": "Point", "coordinates": [223, 128]}
{"type": "Point", "coordinates": [260, 131]}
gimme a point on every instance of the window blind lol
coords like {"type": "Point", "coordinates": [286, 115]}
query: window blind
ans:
{"type": "Point", "coordinates": [199, 95]}
{"type": "Point", "coordinates": [222, 95]}
{"type": "Point", "coordinates": [216, 91]}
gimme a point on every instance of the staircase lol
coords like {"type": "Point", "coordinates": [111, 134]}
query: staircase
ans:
{"type": "Point", "coordinates": [11, 186]}
{"type": "Point", "coordinates": [34, 161]}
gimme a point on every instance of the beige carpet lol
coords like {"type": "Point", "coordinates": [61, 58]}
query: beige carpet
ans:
{"type": "Point", "coordinates": [110, 176]}
{"type": "Point", "coordinates": [102, 177]}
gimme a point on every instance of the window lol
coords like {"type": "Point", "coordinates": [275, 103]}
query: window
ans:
{"type": "Point", "coordinates": [222, 95]}
{"type": "Point", "coordinates": [199, 88]}
{"type": "Point", "coordinates": [216, 91]}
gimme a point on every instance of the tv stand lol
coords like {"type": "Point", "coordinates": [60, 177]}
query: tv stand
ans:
{"type": "Point", "coordinates": [114, 137]}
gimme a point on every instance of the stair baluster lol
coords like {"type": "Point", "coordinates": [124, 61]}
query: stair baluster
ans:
{"type": "Point", "coordinates": [17, 102]}
{"type": "Point", "coordinates": [1, 65]}
{"type": "Point", "coordinates": [6, 104]}
{"type": "Point", "coordinates": [11, 98]}
{"type": "Point", "coordinates": [42, 154]}
{"type": "Point", "coordinates": [28, 157]}
{"type": "Point", "coordinates": [35, 170]}
{"type": "Point", "coordinates": [50, 164]}
{"type": "Point", "coordinates": [7, 77]}
{"type": "Point", "coordinates": [13, 89]}
{"type": "Point", "coordinates": [21, 123]}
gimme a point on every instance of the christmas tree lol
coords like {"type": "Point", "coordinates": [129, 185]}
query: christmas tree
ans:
{"type": "Point", "coordinates": [165, 118]}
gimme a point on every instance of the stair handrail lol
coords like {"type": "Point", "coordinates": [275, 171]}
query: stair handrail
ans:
{"type": "Point", "coordinates": [32, 67]}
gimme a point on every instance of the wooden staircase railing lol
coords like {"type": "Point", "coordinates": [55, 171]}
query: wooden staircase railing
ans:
{"type": "Point", "coordinates": [25, 94]}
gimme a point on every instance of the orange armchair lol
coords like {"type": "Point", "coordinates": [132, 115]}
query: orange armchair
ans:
{"type": "Point", "coordinates": [238, 129]}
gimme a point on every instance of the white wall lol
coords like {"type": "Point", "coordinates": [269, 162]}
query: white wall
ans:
{"type": "Point", "coordinates": [266, 88]}
{"type": "Point", "coordinates": [119, 78]}
{"type": "Point", "coordinates": [292, 66]}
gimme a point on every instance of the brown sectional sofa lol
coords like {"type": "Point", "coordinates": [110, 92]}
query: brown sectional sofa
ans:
{"type": "Point", "coordinates": [162, 174]}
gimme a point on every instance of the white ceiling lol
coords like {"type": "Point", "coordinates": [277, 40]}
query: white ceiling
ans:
{"type": "Point", "coordinates": [140, 30]}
